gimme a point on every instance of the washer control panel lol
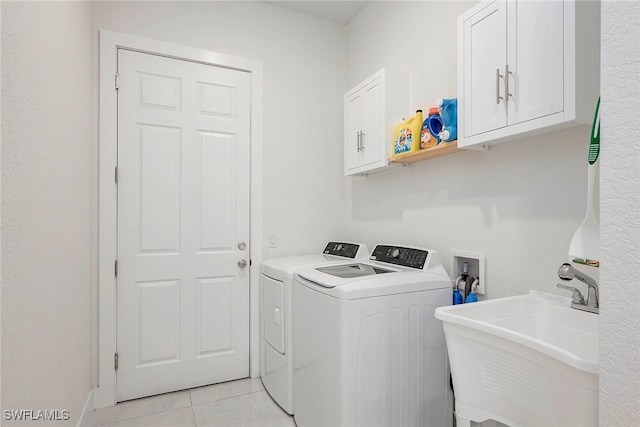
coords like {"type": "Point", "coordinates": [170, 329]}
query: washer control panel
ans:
{"type": "Point", "coordinates": [346, 250]}
{"type": "Point", "coordinates": [398, 255]}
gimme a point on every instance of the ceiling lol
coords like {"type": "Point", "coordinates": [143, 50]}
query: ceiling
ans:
{"type": "Point", "coordinates": [341, 12]}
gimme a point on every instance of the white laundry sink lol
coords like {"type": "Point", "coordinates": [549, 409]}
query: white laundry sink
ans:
{"type": "Point", "coordinates": [528, 360]}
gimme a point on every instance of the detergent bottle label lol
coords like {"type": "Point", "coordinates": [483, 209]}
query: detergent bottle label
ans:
{"type": "Point", "coordinates": [426, 140]}
{"type": "Point", "coordinates": [403, 142]}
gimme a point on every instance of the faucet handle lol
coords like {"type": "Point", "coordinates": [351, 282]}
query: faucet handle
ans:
{"type": "Point", "coordinates": [577, 296]}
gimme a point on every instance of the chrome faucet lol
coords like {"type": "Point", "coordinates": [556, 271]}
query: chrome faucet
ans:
{"type": "Point", "coordinates": [592, 305]}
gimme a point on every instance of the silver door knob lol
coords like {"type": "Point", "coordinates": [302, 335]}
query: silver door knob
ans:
{"type": "Point", "coordinates": [242, 246]}
{"type": "Point", "coordinates": [242, 263]}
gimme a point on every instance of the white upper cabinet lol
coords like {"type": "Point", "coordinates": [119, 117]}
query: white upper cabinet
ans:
{"type": "Point", "coordinates": [526, 67]}
{"type": "Point", "coordinates": [372, 109]}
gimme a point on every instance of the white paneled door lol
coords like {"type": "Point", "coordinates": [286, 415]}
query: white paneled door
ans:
{"type": "Point", "coordinates": [183, 224]}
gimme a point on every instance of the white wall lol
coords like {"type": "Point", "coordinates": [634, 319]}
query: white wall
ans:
{"type": "Point", "coordinates": [304, 62]}
{"type": "Point", "coordinates": [620, 216]}
{"type": "Point", "coordinates": [519, 203]}
{"type": "Point", "coordinates": [45, 207]}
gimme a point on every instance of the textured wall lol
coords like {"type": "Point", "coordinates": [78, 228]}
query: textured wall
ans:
{"type": "Point", "coordinates": [519, 202]}
{"type": "Point", "coordinates": [620, 216]}
{"type": "Point", "coordinates": [45, 207]}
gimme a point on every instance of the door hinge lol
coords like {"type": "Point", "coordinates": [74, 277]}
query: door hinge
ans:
{"type": "Point", "coordinates": [116, 174]}
{"type": "Point", "coordinates": [115, 361]}
{"type": "Point", "coordinates": [115, 268]}
{"type": "Point", "coordinates": [117, 81]}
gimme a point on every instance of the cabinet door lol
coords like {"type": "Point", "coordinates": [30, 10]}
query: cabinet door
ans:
{"type": "Point", "coordinates": [354, 124]}
{"type": "Point", "coordinates": [373, 141]}
{"type": "Point", "coordinates": [484, 58]}
{"type": "Point", "coordinates": [535, 59]}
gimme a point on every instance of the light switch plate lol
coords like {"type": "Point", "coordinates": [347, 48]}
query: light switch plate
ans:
{"type": "Point", "coordinates": [273, 240]}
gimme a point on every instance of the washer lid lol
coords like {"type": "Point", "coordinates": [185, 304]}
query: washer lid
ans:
{"type": "Point", "coordinates": [390, 270]}
{"type": "Point", "coordinates": [353, 270]}
{"type": "Point", "coordinates": [364, 282]}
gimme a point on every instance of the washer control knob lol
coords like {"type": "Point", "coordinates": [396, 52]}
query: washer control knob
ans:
{"type": "Point", "coordinates": [395, 252]}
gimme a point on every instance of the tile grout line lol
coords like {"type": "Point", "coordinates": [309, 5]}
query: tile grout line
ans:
{"type": "Point", "coordinates": [228, 397]}
{"type": "Point", "coordinates": [193, 413]}
{"type": "Point", "coordinates": [116, 420]}
{"type": "Point", "coordinates": [191, 405]}
{"type": "Point", "coordinates": [142, 416]}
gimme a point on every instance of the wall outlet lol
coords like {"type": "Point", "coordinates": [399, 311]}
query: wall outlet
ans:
{"type": "Point", "coordinates": [273, 240]}
{"type": "Point", "coordinates": [475, 261]}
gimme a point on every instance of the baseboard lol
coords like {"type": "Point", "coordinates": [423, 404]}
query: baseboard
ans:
{"type": "Point", "coordinates": [87, 412]}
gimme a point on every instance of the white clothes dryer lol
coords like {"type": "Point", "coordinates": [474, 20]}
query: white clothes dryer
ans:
{"type": "Point", "coordinates": [368, 350]}
{"type": "Point", "coordinates": [276, 278]}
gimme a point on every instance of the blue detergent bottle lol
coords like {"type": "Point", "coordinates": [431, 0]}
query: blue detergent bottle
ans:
{"type": "Point", "coordinates": [449, 115]}
{"type": "Point", "coordinates": [434, 122]}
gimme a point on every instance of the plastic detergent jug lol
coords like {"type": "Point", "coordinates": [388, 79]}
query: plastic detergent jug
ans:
{"type": "Point", "coordinates": [406, 136]}
{"type": "Point", "coordinates": [426, 139]}
{"type": "Point", "coordinates": [449, 115]}
{"type": "Point", "coordinates": [434, 123]}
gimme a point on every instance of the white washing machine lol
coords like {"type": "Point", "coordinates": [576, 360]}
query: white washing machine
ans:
{"type": "Point", "coordinates": [276, 278]}
{"type": "Point", "coordinates": [367, 348]}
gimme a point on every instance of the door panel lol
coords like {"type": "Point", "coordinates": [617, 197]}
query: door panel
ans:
{"type": "Point", "coordinates": [355, 124]}
{"type": "Point", "coordinates": [374, 123]}
{"type": "Point", "coordinates": [159, 325]}
{"type": "Point", "coordinates": [159, 205]}
{"type": "Point", "coordinates": [484, 53]}
{"type": "Point", "coordinates": [215, 193]}
{"type": "Point", "coordinates": [183, 205]}
{"type": "Point", "coordinates": [215, 316]}
{"type": "Point", "coordinates": [536, 58]}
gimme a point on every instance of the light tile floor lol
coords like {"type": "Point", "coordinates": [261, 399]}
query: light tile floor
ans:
{"type": "Point", "coordinates": [235, 403]}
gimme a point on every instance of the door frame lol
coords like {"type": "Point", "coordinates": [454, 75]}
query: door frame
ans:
{"type": "Point", "coordinates": [110, 42]}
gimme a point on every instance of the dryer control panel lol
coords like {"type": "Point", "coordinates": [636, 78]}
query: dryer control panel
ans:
{"type": "Point", "coordinates": [347, 250]}
{"type": "Point", "coordinates": [398, 255]}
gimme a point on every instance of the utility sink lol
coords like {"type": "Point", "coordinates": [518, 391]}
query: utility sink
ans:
{"type": "Point", "coordinates": [528, 360]}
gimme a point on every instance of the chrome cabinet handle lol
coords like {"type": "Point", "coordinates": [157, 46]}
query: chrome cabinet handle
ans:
{"type": "Point", "coordinates": [360, 144]}
{"type": "Point", "coordinates": [498, 75]}
{"type": "Point", "coordinates": [507, 94]}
